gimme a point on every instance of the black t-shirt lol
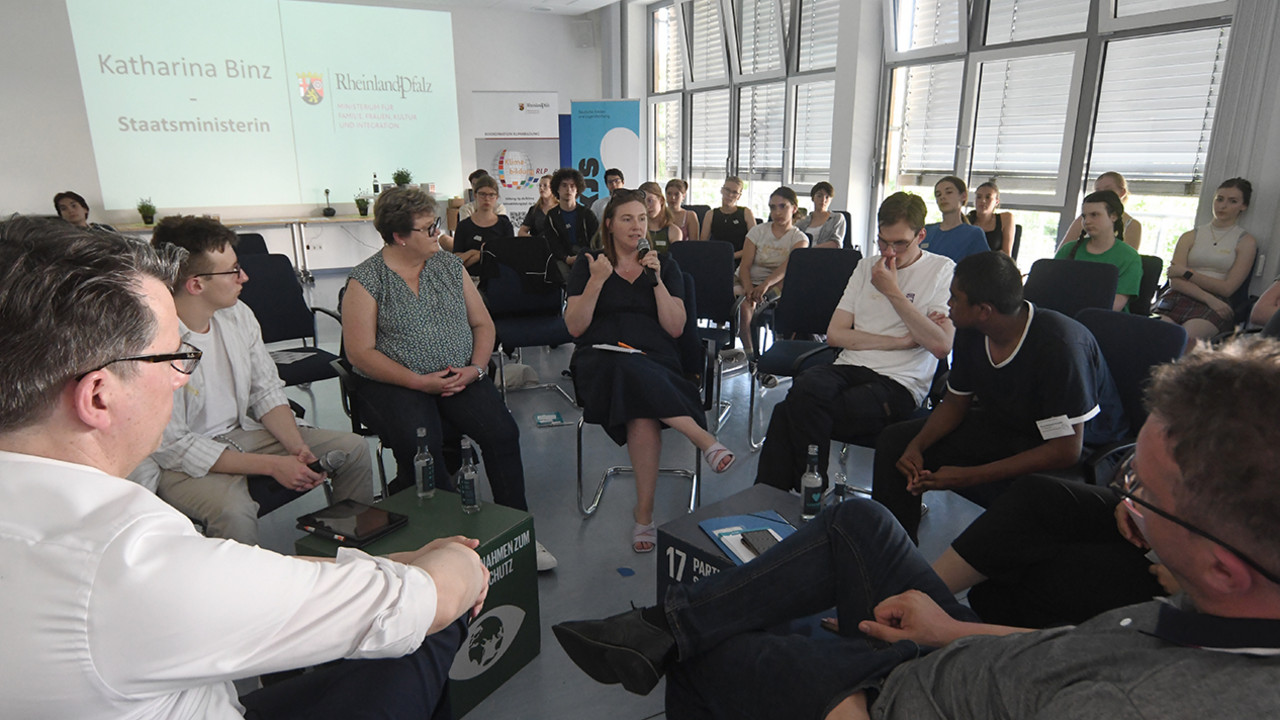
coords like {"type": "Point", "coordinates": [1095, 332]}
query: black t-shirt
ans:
{"type": "Point", "coordinates": [1057, 372]}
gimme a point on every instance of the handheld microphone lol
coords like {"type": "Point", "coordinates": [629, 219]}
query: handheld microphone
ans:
{"type": "Point", "coordinates": [644, 247]}
{"type": "Point", "coordinates": [329, 462]}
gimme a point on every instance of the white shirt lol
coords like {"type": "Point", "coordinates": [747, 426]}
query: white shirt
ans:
{"type": "Point", "coordinates": [219, 413]}
{"type": "Point", "coordinates": [114, 607]}
{"type": "Point", "coordinates": [927, 284]}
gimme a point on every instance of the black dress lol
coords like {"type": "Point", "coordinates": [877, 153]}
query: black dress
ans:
{"type": "Point", "coordinates": [616, 387]}
{"type": "Point", "coordinates": [995, 238]}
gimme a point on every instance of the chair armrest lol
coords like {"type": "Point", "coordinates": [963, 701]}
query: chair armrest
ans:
{"type": "Point", "coordinates": [1103, 456]}
{"type": "Point", "coordinates": [757, 322]}
{"type": "Point", "coordinates": [327, 311]}
{"type": "Point", "coordinates": [804, 357]}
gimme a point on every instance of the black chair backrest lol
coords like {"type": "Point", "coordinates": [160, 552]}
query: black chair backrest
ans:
{"type": "Point", "coordinates": [505, 296]}
{"type": "Point", "coordinates": [1017, 241]}
{"type": "Point", "coordinates": [1272, 328]}
{"type": "Point", "coordinates": [1132, 345]}
{"type": "Point", "coordinates": [710, 264]}
{"type": "Point", "coordinates": [700, 211]}
{"type": "Point", "coordinates": [251, 244]}
{"type": "Point", "coordinates": [815, 281]}
{"type": "Point", "coordinates": [275, 296]}
{"type": "Point", "coordinates": [847, 243]}
{"type": "Point", "coordinates": [1152, 270]}
{"type": "Point", "coordinates": [1070, 286]}
{"type": "Point", "coordinates": [1241, 302]}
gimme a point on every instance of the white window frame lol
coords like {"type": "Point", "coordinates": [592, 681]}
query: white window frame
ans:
{"type": "Point", "coordinates": [896, 56]}
{"type": "Point", "coordinates": [969, 111]}
{"type": "Point", "coordinates": [1109, 23]}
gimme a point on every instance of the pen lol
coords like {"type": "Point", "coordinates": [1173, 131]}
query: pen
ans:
{"type": "Point", "coordinates": [622, 344]}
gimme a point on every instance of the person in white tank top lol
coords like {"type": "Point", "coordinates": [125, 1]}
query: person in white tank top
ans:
{"type": "Point", "coordinates": [1209, 264]}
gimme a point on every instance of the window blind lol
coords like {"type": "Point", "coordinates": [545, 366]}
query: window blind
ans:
{"type": "Point", "coordinates": [926, 23]}
{"type": "Point", "coordinates": [761, 111]}
{"type": "Point", "coordinates": [930, 116]}
{"type": "Point", "coordinates": [1125, 8]}
{"type": "Point", "coordinates": [760, 36]}
{"type": "Point", "coordinates": [666, 139]}
{"type": "Point", "coordinates": [1020, 124]}
{"type": "Point", "coordinates": [706, 40]}
{"type": "Point", "coordinates": [819, 34]}
{"type": "Point", "coordinates": [815, 107]}
{"type": "Point", "coordinates": [668, 55]}
{"type": "Point", "coordinates": [1013, 20]}
{"type": "Point", "coordinates": [1156, 105]}
{"type": "Point", "coordinates": [709, 134]}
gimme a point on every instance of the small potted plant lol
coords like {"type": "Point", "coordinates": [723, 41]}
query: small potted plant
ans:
{"type": "Point", "coordinates": [362, 205]}
{"type": "Point", "coordinates": [147, 210]}
{"type": "Point", "coordinates": [402, 177]}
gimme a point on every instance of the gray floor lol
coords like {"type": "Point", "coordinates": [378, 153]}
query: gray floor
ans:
{"type": "Point", "coordinates": [598, 574]}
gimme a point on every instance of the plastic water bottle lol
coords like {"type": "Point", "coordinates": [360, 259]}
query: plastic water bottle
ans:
{"type": "Point", "coordinates": [467, 479]}
{"type": "Point", "coordinates": [375, 184]}
{"type": "Point", "coordinates": [424, 468]}
{"type": "Point", "coordinates": [839, 486]}
{"type": "Point", "coordinates": [811, 487]}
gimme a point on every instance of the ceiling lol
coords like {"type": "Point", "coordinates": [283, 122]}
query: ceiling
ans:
{"type": "Point", "coordinates": [556, 7]}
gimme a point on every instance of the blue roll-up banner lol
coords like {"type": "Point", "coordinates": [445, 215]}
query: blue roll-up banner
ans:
{"type": "Point", "coordinates": [606, 134]}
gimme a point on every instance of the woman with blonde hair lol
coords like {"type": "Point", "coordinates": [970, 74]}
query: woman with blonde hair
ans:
{"type": "Point", "coordinates": [730, 222]}
{"type": "Point", "coordinates": [535, 221]}
{"type": "Point", "coordinates": [987, 217]}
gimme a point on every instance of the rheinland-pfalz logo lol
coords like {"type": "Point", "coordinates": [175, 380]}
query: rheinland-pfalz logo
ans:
{"type": "Point", "coordinates": [311, 86]}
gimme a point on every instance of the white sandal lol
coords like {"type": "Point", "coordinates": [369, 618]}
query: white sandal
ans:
{"type": "Point", "coordinates": [647, 534]}
{"type": "Point", "coordinates": [715, 457]}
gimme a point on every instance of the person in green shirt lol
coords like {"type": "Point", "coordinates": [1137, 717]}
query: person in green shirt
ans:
{"type": "Point", "coordinates": [1103, 242]}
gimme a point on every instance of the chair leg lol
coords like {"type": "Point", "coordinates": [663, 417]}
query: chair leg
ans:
{"type": "Point", "coordinates": [751, 414]}
{"type": "Point", "coordinates": [694, 476]}
{"type": "Point", "coordinates": [502, 382]}
{"type": "Point", "coordinates": [382, 470]}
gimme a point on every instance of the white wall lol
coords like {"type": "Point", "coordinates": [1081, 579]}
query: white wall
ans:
{"type": "Point", "coordinates": [47, 148]}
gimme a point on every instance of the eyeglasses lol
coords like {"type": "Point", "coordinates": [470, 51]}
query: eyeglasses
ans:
{"type": "Point", "coordinates": [898, 246]}
{"type": "Point", "coordinates": [487, 195]}
{"type": "Point", "coordinates": [1127, 483]}
{"type": "Point", "coordinates": [184, 361]}
{"type": "Point", "coordinates": [730, 192]}
{"type": "Point", "coordinates": [235, 270]}
{"type": "Point", "coordinates": [430, 230]}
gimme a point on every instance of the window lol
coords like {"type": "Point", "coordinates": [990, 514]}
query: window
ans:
{"type": "Point", "coordinates": [819, 26]}
{"type": "Point", "coordinates": [760, 36]}
{"type": "Point", "coordinates": [922, 125]}
{"type": "Point", "coordinates": [1125, 8]}
{"type": "Point", "coordinates": [815, 110]}
{"type": "Point", "coordinates": [709, 136]}
{"type": "Point", "coordinates": [665, 126]}
{"type": "Point", "coordinates": [706, 41]}
{"type": "Point", "coordinates": [1014, 20]}
{"type": "Point", "coordinates": [917, 25]}
{"type": "Point", "coordinates": [761, 112]}
{"type": "Point", "coordinates": [1156, 106]}
{"type": "Point", "coordinates": [668, 53]}
{"type": "Point", "coordinates": [1020, 128]}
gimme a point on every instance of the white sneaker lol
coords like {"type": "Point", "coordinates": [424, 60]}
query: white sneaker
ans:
{"type": "Point", "coordinates": [546, 561]}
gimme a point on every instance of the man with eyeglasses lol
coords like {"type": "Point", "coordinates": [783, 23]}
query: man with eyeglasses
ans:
{"type": "Point", "coordinates": [1204, 496]}
{"type": "Point", "coordinates": [891, 327]}
{"type": "Point", "coordinates": [233, 420]}
{"type": "Point", "coordinates": [114, 606]}
{"type": "Point", "coordinates": [613, 180]}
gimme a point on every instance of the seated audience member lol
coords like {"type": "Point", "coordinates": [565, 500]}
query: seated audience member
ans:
{"type": "Point", "coordinates": [232, 419]}
{"type": "Point", "coordinates": [419, 336]}
{"type": "Point", "coordinates": [764, 258]}
{"type": "Point", "coordinates": [987, 217]}
{"type": "Point", "coordinates": [1132, 229]}
{"type": "Point", "coordinates": [892, 326]}
{"type": "Point", "coordinates": [1024, 384]}
{"type": "Point", "coordinates": [613, 180]}
{"type": "Point", "coordinates": [468, 208]}
{"type": "Point", "coordinates": [73, 208]}
{"type": "Point", "coordinates": [730, 222]}
{"type": "Point", "coordinates": [114, 605]}
{"type": "Point", "coordinates": [535, 220]}
{"type": "Point", "coordinates": [907, 649]}
{"type": "Point", "coordinates": [686, 220]}
{"type": "Point", "coordinates": [570, 226]}
{"type": "Point", "coordinates": [1266, 306]}
{"type": "Point", "coordinates": [953, 237]}
{"type": "Point", "coordinates": [1209, 264]}
{"type": "Point", "coordinates": [479, 228]}
{"type": "Point", "coordinates": [824, 228]}
{"type": "Point", "coordinates": [1103, 242]}
{"type": "Point", "coordinates": [633, 395]}
{"type": "Point", "coordinates": [662, 228]}
{"type": "Point", "coordinates": [1052, 552]}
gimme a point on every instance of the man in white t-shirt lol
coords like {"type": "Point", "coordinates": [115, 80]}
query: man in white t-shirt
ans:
{"type": "Point", "coordinates": [892, 327]}
{"type": "Point", "coordinates": [114, 606]}
{"type": "Point", "coordinates": [233, 419]}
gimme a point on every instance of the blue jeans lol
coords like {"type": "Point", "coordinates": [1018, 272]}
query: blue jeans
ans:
{"type": "Point", "coordinates": [414, 686]}
{"type": "Point", "coordinates": [478, 412]}
{"type": "Point", "coordinates": [851, 556]}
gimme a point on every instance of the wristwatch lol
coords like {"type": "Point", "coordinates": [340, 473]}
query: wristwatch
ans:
{"type": "Point", "coordinates": [482, 372]}
{"type": "Point", "coordinates": [1187, 275]}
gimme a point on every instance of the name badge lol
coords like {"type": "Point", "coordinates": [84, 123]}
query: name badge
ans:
{"type": "Point", "coordinates": [1055, 427]}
